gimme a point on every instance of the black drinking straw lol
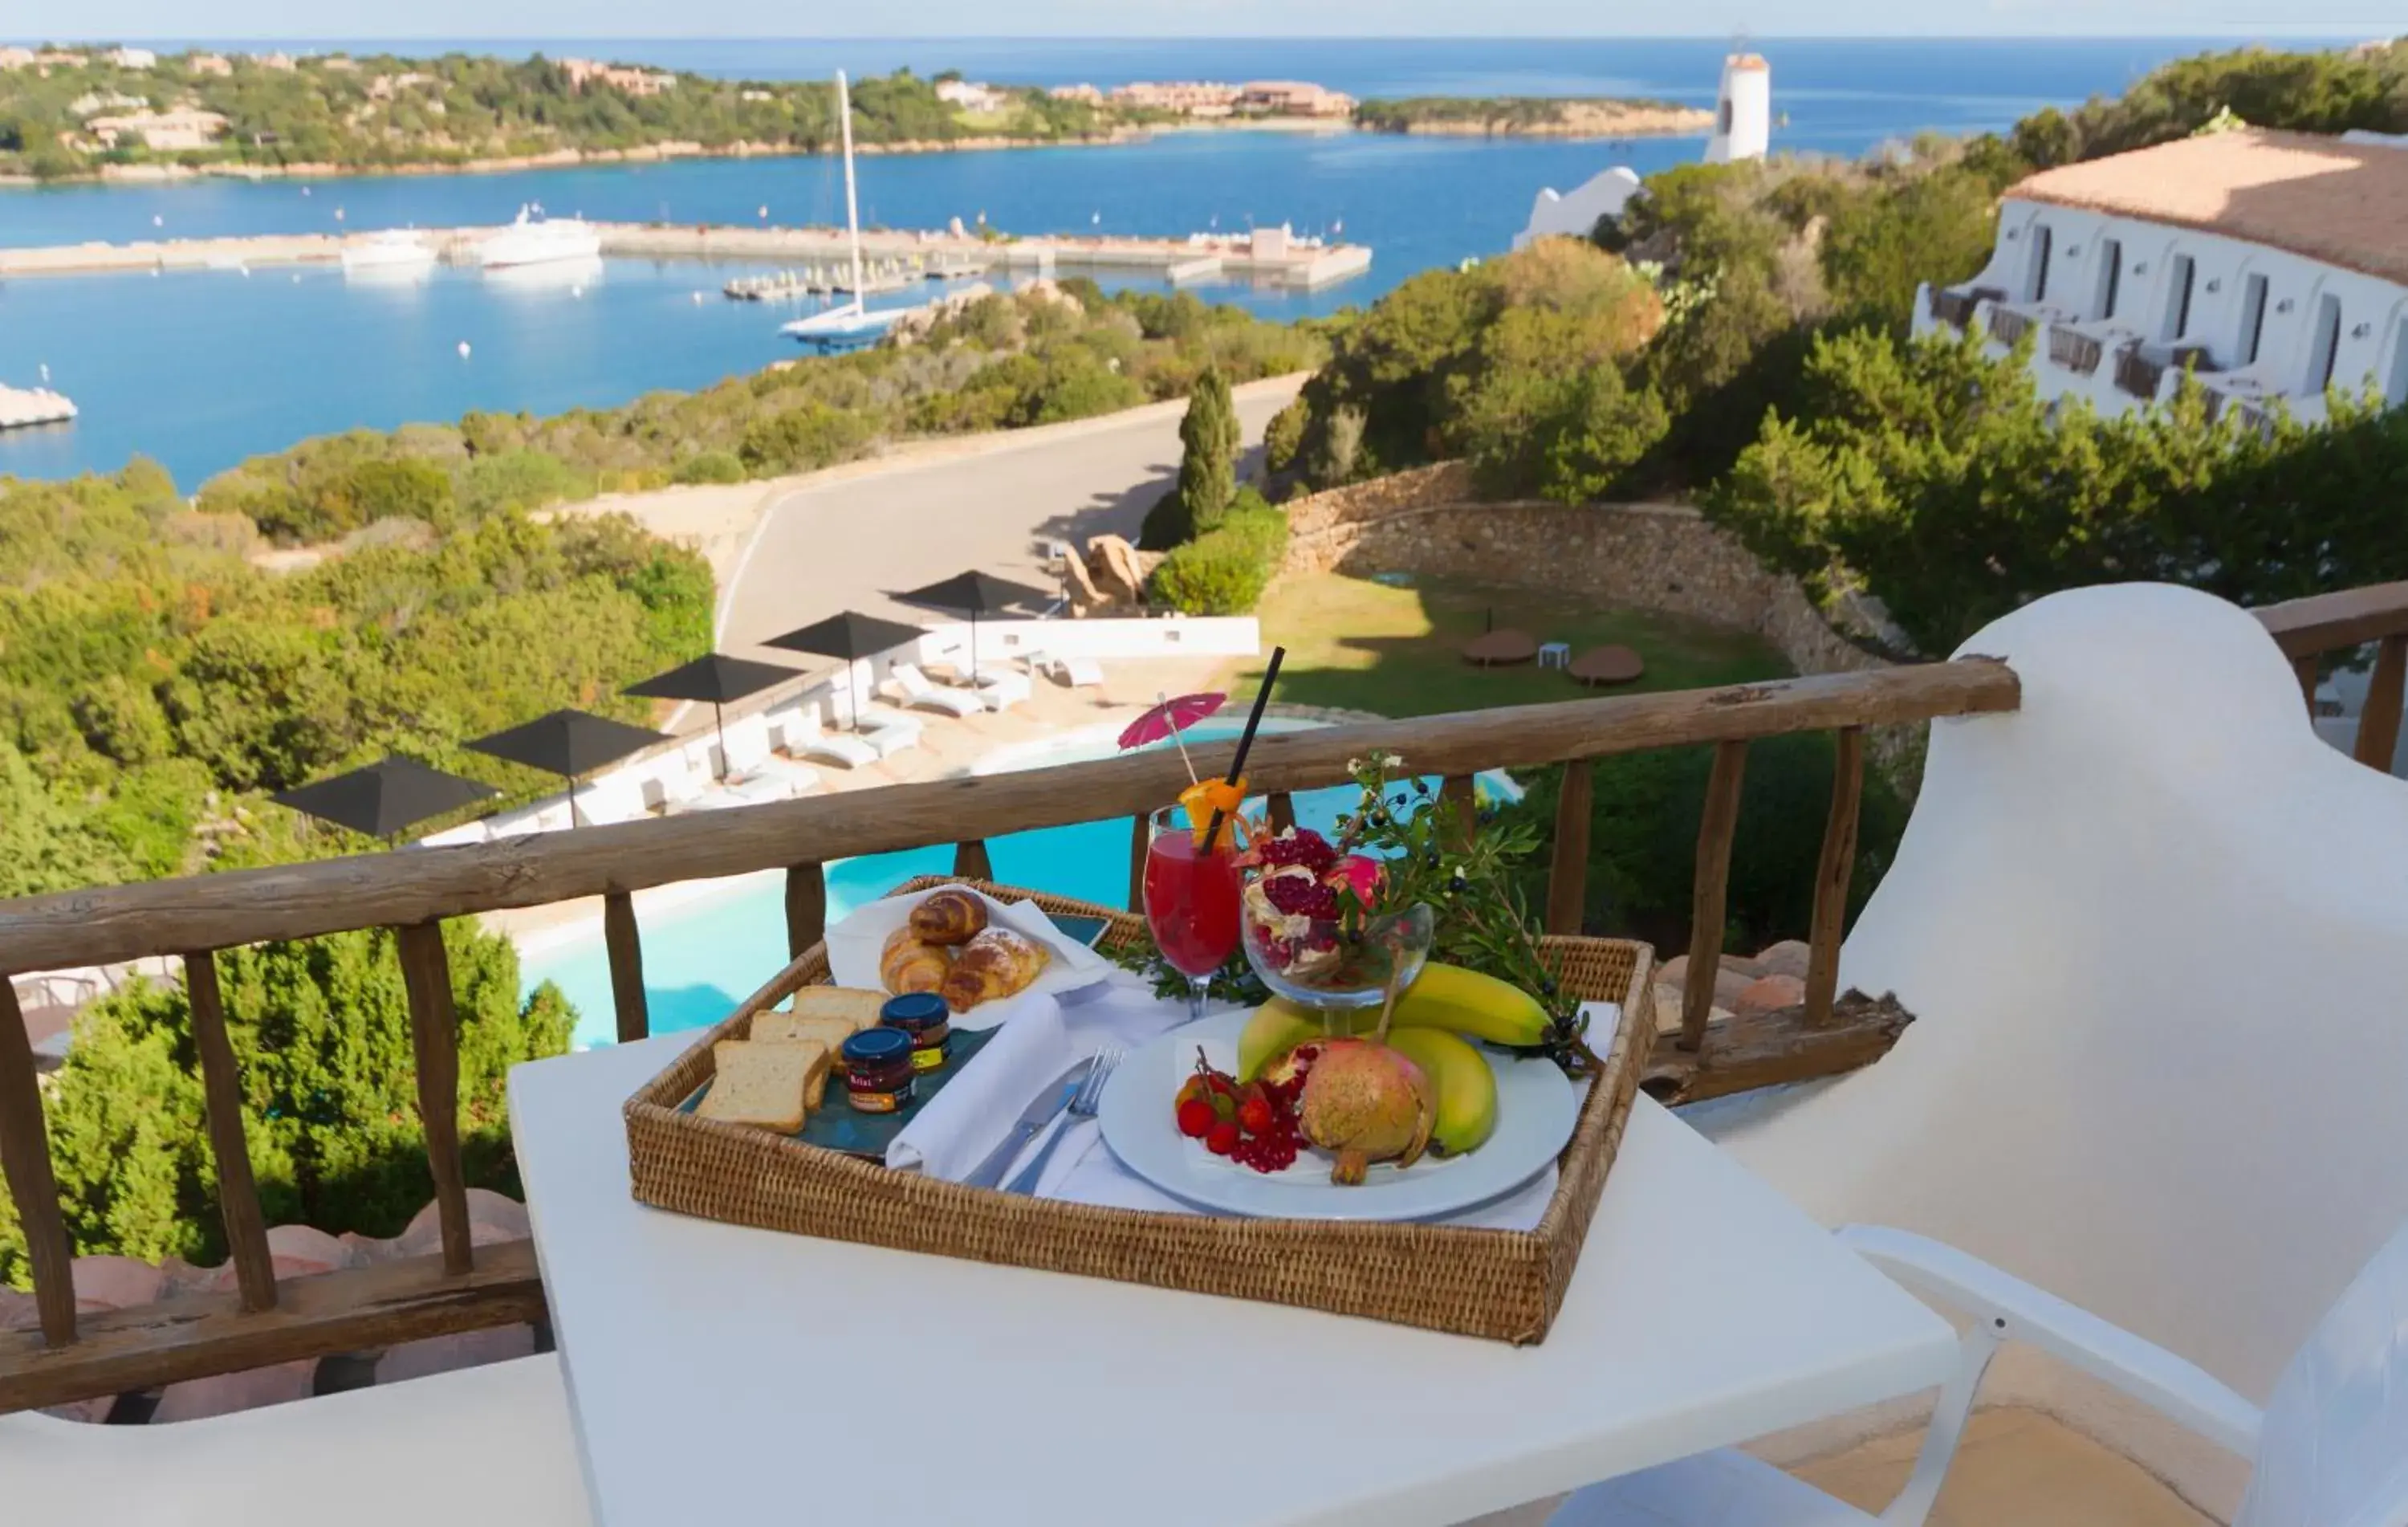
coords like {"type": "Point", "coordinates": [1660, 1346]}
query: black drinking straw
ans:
{"type": "Point", "coordinates": [1246, 741]}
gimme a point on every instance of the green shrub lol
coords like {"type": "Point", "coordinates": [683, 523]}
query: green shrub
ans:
{"type": "Point", "coordinates": [320, 1032]}
{"type": "Point", "coordinates": [1166, 524]}
{"type": "Point", "coordinates": [708, 467]}
{"type": "Point", "coordinates": [1283, 437]}
{"type": "Point", "coordinates": [1224, 570]}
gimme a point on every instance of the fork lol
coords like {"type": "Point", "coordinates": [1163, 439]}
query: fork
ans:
{"type": "Point", "coordinates": [1082, 1106]}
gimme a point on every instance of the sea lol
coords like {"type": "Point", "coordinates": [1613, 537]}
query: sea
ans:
{"type": "Point", "coordinates": [199, 369]}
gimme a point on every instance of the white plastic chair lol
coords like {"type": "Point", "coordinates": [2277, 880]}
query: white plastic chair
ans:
{"type": "Point", "coordinates": [490, 1447]}
{"type": "Point", "coordinates": [2330, 1451]}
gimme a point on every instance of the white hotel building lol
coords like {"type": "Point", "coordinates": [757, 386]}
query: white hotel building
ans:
{"type": "Point", "coordinates": [2271, 263]}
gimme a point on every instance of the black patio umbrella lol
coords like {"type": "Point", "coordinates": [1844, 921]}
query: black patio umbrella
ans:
{"type": "Point", "coordinates": [974, 594]}
{"type": "Point", "coordinates": [850, 635]}
{"type": "Point", "coordinates": [384, 798]}
{"type": "Point", "coordinates": [717, 678]}
{"type": "Point", "coordinates": [569, 744]}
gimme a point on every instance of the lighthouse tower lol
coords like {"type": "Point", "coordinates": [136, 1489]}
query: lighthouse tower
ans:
{"type": "Point", "coordinates": [1743, 111]}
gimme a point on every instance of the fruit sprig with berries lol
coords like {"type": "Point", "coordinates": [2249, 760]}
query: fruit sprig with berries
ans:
{"type": "Point", "coordinates": [1252, 1123]}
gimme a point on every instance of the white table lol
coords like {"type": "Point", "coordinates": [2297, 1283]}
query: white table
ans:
{"type": "Point", "coordinates": [723, 1375]}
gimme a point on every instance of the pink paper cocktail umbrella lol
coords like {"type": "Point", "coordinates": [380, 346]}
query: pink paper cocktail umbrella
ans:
{"type": "Point", "coordinates": [1168, 719]}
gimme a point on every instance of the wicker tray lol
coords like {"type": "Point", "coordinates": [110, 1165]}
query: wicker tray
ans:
{"type": "Point", "coordinates": [1503, 1285]}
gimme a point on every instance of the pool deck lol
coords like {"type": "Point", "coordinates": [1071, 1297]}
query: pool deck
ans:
{"type": "Point", "coordinates": [949, 747]}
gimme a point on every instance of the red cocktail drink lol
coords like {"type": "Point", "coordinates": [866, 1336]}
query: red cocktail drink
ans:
{"type": "Point", "coordinates": [1191, 901]}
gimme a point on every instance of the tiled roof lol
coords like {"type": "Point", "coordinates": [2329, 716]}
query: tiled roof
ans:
{"type": "Point", "coordinates": [2346, 204]}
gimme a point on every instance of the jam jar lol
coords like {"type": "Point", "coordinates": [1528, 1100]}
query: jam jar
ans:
{"type": "Point", "coordinates": [925, 1016]}
{"type": "Point", "coordinates": [878, 1070]}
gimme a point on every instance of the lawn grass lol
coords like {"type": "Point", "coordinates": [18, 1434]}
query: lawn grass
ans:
{"type": "Point", "coordinates": [1355, 645]}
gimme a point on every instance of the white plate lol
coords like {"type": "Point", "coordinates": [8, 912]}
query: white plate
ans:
{"type": "Point", "coordinates": [1537, 1106]}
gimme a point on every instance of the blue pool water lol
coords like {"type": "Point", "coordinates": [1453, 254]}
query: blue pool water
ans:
{"type": "Point", "coordinates": [704, 956]}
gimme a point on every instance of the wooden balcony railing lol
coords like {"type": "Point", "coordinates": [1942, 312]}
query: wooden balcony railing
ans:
{"type": "Point", "coordinates": [2007, 325]}
{"type": "Point", "coordinates": [2308, 630]}
{"type": "Point", "coordinates": [268, 1322]}
{"type": "Point", "coordinates": [1956, 308]}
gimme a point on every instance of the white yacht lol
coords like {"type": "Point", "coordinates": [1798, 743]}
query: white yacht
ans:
{"type": "Point", "coordinates": [849, 323]}
{"type": "Point", "coordinates": [533, 238]}
{"type": "Point", "coordinates": [395, 248]}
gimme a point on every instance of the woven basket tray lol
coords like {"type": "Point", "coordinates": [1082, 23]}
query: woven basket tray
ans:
{"type": "Point", "coordinates": [1503, 1285]}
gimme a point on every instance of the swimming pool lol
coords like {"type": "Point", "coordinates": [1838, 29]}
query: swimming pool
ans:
{"type": "Point", "coordinates": [711, 946]}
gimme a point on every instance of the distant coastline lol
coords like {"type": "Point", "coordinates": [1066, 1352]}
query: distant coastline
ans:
{"type": "Point", "coordinates": [1520, 116]}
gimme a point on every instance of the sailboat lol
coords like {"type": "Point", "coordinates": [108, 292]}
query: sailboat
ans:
{"type": "Point", "coordinates": [850, 323]}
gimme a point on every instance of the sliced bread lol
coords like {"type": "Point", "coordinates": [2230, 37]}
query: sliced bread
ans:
{"type": "Point", "coordinates": [856, 1006]}
{"type": "Point", "coordinates": [767, 1085]}
{"type": "Point", "coordinates": [790, 1028]}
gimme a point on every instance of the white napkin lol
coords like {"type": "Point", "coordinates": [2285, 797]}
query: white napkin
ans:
{"type": "Point", "coordinates": [855, 944]}
{"type": "Point", "coordinates": [960, 1125]}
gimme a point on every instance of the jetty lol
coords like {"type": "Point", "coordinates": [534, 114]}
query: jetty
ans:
{"type": "Point", "coordinates": [1273, 256]}
{"type": "Point", "coordinates": [20, 406]}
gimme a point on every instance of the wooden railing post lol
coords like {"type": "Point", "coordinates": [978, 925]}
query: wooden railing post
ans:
{"type": "Point", "coordinates": [1832, 873]}
{"type": "Point", "coordinates": [1715, 829]}
{"type": "Point", "coordinates": [625, 945]}
{"type": "Point", "coordinates": [246, 1226]}
{"type": "Point", "coordinates": [1464, 795]}
{"type": "Point", "coordinates": [2305, 669]}
{"type": "Point", "coordinates": [435, 1040]}
{"type": "Point", "coordinates": [25, 1162]}
{"type": "Point", "coordinates": [1281, 807]}
{"type": "Point", "coordinates": [806, 908]}
{"type": "Point", "coordinates": [1141, 840]}
{"type": "Point", "coordinates": [971, 861]}
{"type": "Point", "coordinates": [1568, 871]}
{"type": "Point", "coordinates": [2378, 725]}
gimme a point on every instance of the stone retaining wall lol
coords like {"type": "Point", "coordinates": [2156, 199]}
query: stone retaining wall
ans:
{"type": "Point", "coordinates": [1660, 557]}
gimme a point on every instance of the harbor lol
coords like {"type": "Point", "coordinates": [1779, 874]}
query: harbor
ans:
{"type": "Point", "coordinates": [1272, 256]}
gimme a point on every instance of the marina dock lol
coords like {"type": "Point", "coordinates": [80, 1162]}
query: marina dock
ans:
{"type": "Point", "coordinates": [1267, 257]}
{"type": "Point", "coordinates": [20, 406]}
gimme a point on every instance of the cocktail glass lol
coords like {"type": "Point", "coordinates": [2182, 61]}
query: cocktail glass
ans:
{"type": "Point", "coordinates": [1191, 901]}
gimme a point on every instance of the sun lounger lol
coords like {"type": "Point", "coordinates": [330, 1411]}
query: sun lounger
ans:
{"type": "Point", "coordinates": [799, 779]}
{"type": "Point", "coordinates": [672, 790]}
{"type": "Point", "coordinates": [889, 732]}
{"type": "Point", "coordinates": [1076, 672]}
{"type": "Point", "coordinates": [1001, 689]}
{"type": "Point", "coordinates": [799, 733]}
{"type": "Point", "coordinates": [913, 687]}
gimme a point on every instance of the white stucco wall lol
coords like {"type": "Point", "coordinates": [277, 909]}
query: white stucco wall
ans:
{"type": "Point", "coordinates": [1743, 111]}
{"type": "Point", "coordinates": [1574, 213]}
{"type": "Point", "coordinates": [2372, 345]}
{"type": "Point", "coordinates": [2154, 932]}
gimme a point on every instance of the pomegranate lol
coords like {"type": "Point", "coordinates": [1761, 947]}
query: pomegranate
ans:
{"type": "Point", "coordinates": [1363, 1102]}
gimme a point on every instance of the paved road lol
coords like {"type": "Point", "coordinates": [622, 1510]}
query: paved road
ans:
{"type": "Point", "coordinates": [855, 542]}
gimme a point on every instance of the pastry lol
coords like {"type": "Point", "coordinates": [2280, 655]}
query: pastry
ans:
{"type": "Point", "coordinates": [995, 964]}
{"type": "Point", "coordinates": [949, 917]}
{"type": "Point", "coordinates": [907, 964]}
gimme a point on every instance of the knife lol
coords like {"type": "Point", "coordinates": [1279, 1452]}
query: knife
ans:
{"type": "Point", "coordinates": [1049, 1104]}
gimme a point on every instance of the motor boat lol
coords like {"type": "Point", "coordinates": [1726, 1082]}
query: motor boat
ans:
{"type": "Point", "coordinates": [395, 248]}
{"type": "Point", "coordinates": [533, 238]}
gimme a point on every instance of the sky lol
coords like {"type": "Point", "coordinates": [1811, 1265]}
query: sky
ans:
{"type": "Point", "coordinates": [35, 20]}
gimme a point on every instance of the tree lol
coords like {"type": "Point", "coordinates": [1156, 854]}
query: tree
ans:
{"type": "Point", "coordinates": [320, 1032]}
{"type": "Point", "coordinates": [1208, 473]}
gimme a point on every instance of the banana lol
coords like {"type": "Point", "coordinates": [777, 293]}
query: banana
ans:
{"type": "Point", "coordinates": [1277, 1027]}
{"type": "Point", "coordinates": [1468, 1002]}
{"type": "Point", "coordinates": [1466, 1087]}
{"type": "Point", "coordinates": [1445, 997]}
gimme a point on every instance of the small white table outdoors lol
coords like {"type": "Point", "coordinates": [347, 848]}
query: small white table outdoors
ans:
{"type": "Point", "coordinates": [719, 1375]}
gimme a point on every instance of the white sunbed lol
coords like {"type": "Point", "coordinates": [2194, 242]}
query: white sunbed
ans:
{"type": "Point", "coordinates": [914, 688]}
{"type": "Point", "coordinates": [672, 790]}
{"type": "Point", "coordinates": [1077, 672]}
{"type": "Point", "coordinates": [1000, 688]}
{"type": "Point", "coordinates": [889, 732]}
{"type": "Point", "coordinates": [800, 733]}
{"type": "Point", "coordinates": [798, 779]}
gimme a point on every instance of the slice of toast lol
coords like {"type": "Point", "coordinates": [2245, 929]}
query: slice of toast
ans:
{"type": "Point", "coordinates": [767, 1085]}
{"type": "Point", "coordinates": [855, 1004]}
{"type": "Point", "coordinates": [789, 1029]}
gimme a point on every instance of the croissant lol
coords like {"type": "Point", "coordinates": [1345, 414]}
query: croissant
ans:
{"type": "Point", "coordinates": [949, 917]}
{"type": "Point", "coordinates": [908, 964]}
{"type": "Point", "coordinates": [995, 964]}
